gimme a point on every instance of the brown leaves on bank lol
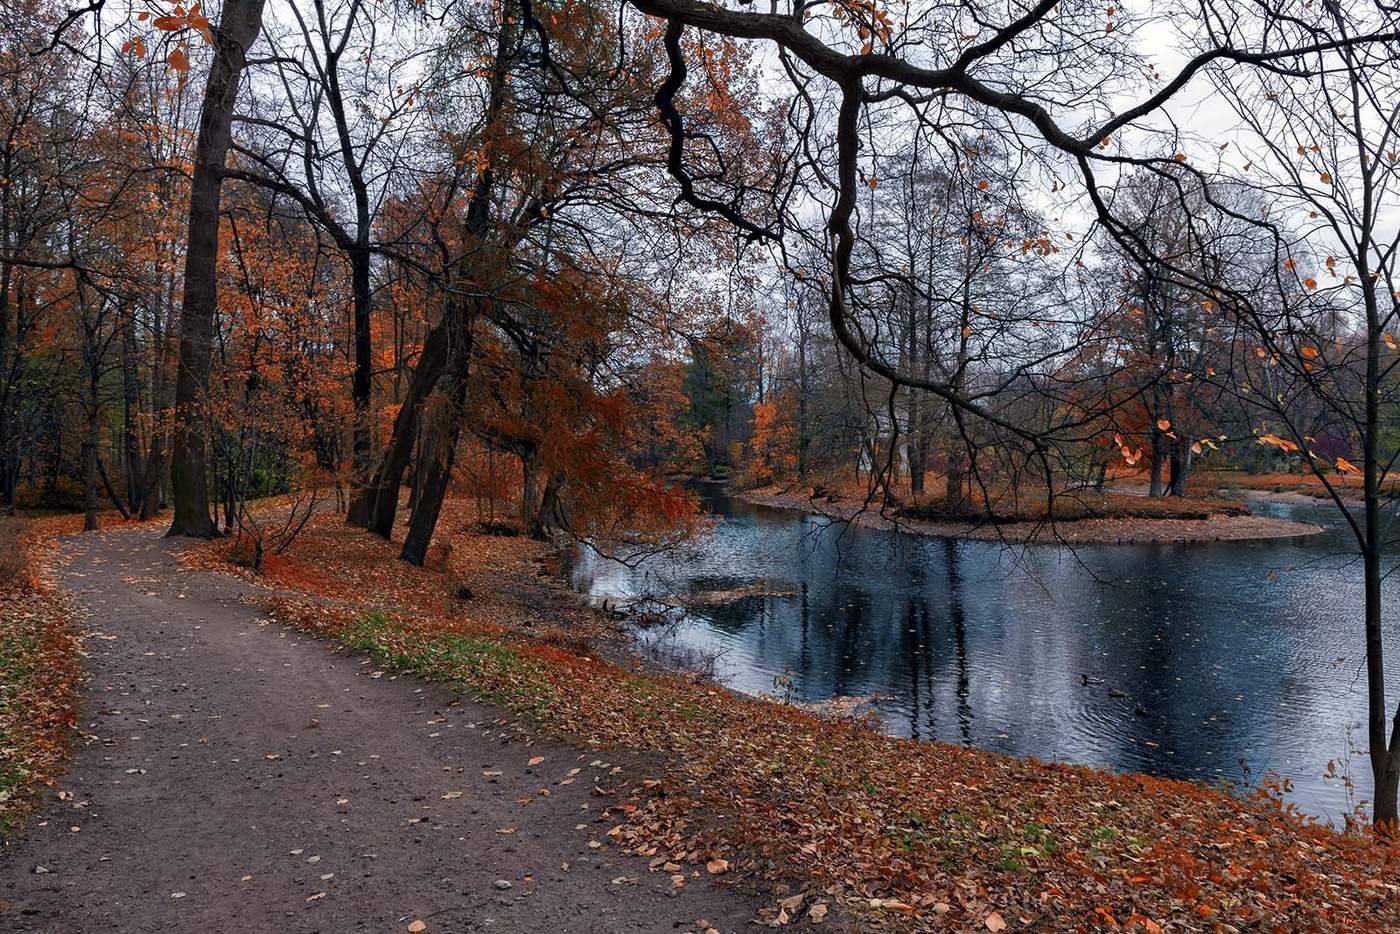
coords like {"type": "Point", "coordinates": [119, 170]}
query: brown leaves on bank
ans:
{"type": "Point", "coordinates": [38, 671]}
{"type": "Point", "coordinates": [912, 835]}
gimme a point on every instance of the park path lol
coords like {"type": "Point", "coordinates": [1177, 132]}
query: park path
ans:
{"type": "Point", "coordinates": [242, 777]}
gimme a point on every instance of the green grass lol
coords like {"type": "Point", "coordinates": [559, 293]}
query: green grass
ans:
{"type": "Point", "coordinates": [487, 668]}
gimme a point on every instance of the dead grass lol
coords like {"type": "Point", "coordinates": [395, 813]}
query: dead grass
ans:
{"type": "Point", "coordinates": [1025, 503]}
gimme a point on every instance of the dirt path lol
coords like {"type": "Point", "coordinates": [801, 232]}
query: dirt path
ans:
{"type": "Point", "coordinates": [241, 777]}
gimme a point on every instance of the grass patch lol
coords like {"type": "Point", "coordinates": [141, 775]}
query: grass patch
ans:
{"type": "Point", "coordinates": [484, 666]}
{"type": "Point", "coordinates": [1073, 507]}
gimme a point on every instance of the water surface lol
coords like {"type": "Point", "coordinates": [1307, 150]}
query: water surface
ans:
{"type": "Point", "coordinates": [1214, 661]}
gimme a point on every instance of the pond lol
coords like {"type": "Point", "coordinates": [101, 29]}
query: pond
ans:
{"type": "Point", "coordinates": [1217, 661]}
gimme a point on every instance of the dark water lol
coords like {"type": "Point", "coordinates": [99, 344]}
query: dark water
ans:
{"type": "Point", "coordinates": [1232, 659]}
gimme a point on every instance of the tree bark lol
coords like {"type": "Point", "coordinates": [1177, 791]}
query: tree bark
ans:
{"type": "Point", "coordinates": [953, 497]}
{"type": "Point", "coordinates": [531, 495]}
{"type": "Point", "coordinates": [131, 407]}
{"type": "Point", "coordinates": [362, 381]}
{"type": "Point", "coordinates": [438, 450]}
{"type": "Point", "coordinates": [376, 504]}
{"type": "Point", "coordinates": [89, 455]}
{"type": "Point", "coordinates": [551, 515]}
{"type": "Point", "coordinates": [189, 474]}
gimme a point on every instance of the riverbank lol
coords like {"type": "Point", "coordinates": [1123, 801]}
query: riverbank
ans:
{"type": "Point", "coordinates": [897, 833]}
{"type": "Point", "coordinates": [1202, 522]}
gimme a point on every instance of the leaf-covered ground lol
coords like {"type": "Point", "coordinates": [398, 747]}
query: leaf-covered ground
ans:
{"type": "Point", "coordinates": [39, 670]}
{"type": "Point", "coordinates": [915, 835]}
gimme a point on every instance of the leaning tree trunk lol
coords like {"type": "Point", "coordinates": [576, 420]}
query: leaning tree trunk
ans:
{"type": "Point", "coordinates": [189, 471]}
{"type": "Point", "coordinates": [438, 449]}
{"type": "Point", "coordinates": [450, 385]}
{"type": "Point", "coordinates": [376, 504]}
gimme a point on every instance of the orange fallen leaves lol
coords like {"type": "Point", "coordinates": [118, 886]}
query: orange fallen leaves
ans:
{"type": "Point", "coordinates": [38, 672]}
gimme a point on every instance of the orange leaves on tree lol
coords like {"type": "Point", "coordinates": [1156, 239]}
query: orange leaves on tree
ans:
{"type": "Point", "coordinates": [1281, 443]}
{"type": "Point", "coordinates": [178, 19]}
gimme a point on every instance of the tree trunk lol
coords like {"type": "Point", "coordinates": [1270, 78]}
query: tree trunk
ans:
{"type": "Point", "coordinates": [375, 506]}
{"type": "Point", "coordinates": [1384, 769]}
{"type": "Point", "coordinates": [362, 383]}
{"type": "Point", "coordinates": [189, 473]}
{"type": "Point", "coordinates": [153, 481]}
{"type": "Point", "coordinates": [89, 455]}
{"type": "Point", "coordinates": [531, 495]}
{"type": "Point", "coordinates": [1180, 467]}
{"type": "Point", "coordinates": [551, 515]}
{"type": "Point", "coordinates": [438, 450]}
{"type": "Point", "coordinates": [454, 335]}
{"type": "Point", "coordinates": [7, 487]}
{"type": "Point", "coordinates": [953, 496]}
{"type": "Point", "coordinates": [804, 435]}
{"type": "Point", "coordinates": [1154, 486]}
{"type": "Point", "coordinates": [131, 407]}
{"type": "Point", "coordinates": [111, 490]}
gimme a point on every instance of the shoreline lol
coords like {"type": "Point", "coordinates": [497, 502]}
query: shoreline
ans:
{"type": "Point", "coordinates": [1292, 497]}
{"type": "Point", "coordinates": [521, 644]}
{"type": "Point", "coordinates": [1094, 531]}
